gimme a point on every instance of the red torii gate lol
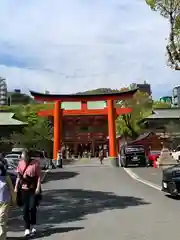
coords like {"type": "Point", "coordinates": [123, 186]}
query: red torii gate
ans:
{"type": "Point", "coordinates": [111, 111]}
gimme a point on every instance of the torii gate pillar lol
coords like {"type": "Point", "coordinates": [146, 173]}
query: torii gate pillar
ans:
{"type": "Point", "coordinates": [57, 128]}
{"type": "Point", "coordinates": [112, 132]}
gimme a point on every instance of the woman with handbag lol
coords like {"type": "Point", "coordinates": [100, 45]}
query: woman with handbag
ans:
{"type": "Point", "coordinates": [7, 198]}
{"type": "Point", "coordinates": [28, 189]}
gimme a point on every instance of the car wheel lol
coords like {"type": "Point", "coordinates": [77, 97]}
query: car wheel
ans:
{"type": "Point", "coordinates": [150, 163]}
{"type": "Point", "coordinates": [174, 196]}
{"type": "Point", "coordinates": [143, 164]}
{"type": "Point", "coordinates": [173, 190]}
{"type": "Point", "coordinates": [125, 165]}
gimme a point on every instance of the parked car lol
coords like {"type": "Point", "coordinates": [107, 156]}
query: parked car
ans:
{"type": "Point", "coordinates": [171, 180]}
{"type": "Point", "coordinates": [132, 155]}
{"type": "Point", "coordinates": [153, 156]}
{"type": "Point", "coordinates": [40, 155]}
{"type": "Point", "coordinates": [15, 155]}
{"type": "Point", "coordinates": [12, 159]}
{"type": "Point", "coordinates": [13, 175]}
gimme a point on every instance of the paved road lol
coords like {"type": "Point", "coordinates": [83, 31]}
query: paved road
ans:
{"type": "Point", "coordinates": [86, 162]}
{"type": "Point", "coordinates": [150, 174]}
{"type": "Point", "coordinates": [102, 203]}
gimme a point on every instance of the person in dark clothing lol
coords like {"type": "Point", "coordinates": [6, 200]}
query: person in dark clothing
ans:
{"type": "Point", "coordinates": [101, 156]}
{"type": "Point", "coordinates": [7, 199]}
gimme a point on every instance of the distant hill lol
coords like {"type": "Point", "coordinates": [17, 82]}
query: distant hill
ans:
{"type": "Point", "coordinates": [99, 91]}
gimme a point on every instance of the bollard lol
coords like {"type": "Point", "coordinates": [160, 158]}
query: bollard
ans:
{"type": "Point", "coordinates": [59, 160]}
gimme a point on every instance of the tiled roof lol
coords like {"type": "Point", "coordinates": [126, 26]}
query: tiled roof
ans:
{"type": "Point", "coordinates": [6, 119]}
{"type": "Point", "coordinates": [143, 136]}
{"type": "Point", "coordinates": [171, 113]}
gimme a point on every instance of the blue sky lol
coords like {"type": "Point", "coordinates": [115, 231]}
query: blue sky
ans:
{"type": "Point", "coordinates": [75, 45]}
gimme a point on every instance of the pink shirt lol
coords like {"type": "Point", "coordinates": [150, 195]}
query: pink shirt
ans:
{"type": "Point", "coordinates": [33, 170]}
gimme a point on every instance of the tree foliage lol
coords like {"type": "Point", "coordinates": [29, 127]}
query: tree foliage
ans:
{"type": "Point", "coordinates": [38, 133]}
{"type": "Point", "coordinates": [141, 105]}
{"type": "Point", "coordinates": [170, 9]}
{"type": "Point", "coordinates": [99, 91]}
{"type": "Point", "coordinates": [38, 136]}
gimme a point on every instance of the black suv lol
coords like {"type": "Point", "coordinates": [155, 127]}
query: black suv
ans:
{"type": "Point", "coordinates": [171, 180]}
{"type": "Point", "coordinates": [132, 155]}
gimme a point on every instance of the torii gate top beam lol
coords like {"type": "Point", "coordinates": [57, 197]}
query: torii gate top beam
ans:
{"type": "Point", "coordinates": [80, 97]}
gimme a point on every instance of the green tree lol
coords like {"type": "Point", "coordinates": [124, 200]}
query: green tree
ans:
{"type": "Point", "coordinates": [170, 9]}
{"type": "Point", "coordinates": [37, 136]}
{"type": "Point", "coordinates": [38, 133]}
{"type": "Point", "coordinates": [141, 105]}
{"type": "Point", "coordinates": [99, 91]}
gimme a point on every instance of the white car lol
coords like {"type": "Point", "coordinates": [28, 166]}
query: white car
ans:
{"type": "Point", "coordinates": [36, 154]}
{"type": "Point", "coordinates": [12, 159]}
{"type": "Point", "coordinates": [176, 153]}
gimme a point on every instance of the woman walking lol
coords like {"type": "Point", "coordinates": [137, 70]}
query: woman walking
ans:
{"type": "Point", "coordinates": [29, 184]}
{"type": "Point", "coordinates": [7, 198]}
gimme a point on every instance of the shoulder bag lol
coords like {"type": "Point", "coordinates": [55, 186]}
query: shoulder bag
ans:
{"type": "Point", "coordinates": [19, 199]}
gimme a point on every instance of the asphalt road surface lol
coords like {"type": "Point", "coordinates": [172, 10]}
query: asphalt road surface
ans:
{"type": "Point", "coordinates": [101, 203]}
{"type": "Point", "coordinates": [150, 174]}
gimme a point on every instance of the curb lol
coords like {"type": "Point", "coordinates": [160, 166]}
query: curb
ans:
{"type": "Point", "coordinates": [139, 179]}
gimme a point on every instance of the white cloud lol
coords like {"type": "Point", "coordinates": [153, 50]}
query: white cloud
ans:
{"type": "Point", "coordinates": [73, 45]}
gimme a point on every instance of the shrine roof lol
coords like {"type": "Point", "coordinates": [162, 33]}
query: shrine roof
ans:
{"type": "Point", "coordinates": [7, 119]}
{"type": "Point", "coordinates": [170, 113]}
{"type": "Point", "coordinates": [82, 97]}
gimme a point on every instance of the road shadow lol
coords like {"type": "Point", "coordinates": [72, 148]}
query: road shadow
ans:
{"type": "Point", "coordinates": [48, 232]}
{"type": "Point", "coordinates": [177, 198]}
{"type": "Point", "coordinates": [59, 175]}
{"type": "Point", "coordinates": [69, 205]}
